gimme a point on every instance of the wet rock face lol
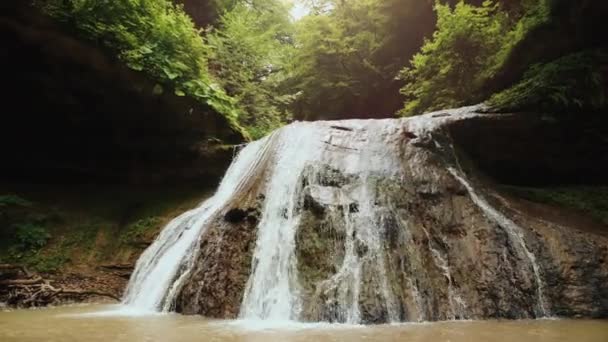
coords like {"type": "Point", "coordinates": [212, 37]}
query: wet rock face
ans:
{"type": "Point", "coordinates": [389, 228]}
{"type": "Point", "coordinates": [216, 285]}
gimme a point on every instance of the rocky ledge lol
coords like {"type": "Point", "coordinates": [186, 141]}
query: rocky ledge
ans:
{"type": "Point", "coordinates": [400, 220]}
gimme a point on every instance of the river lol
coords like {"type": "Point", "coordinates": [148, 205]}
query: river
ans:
{"type": "Point", "coordinates": [89, 323]}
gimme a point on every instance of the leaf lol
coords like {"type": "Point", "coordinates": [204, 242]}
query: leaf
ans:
{"type": "Point", "coordinates": [171, 74]}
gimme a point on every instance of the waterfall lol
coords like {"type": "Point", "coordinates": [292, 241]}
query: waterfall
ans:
{"type": "Point", "coordinates": [354, 221]}
{"type": "Point", "coordinates": [272, 290]}
{"type": "Point", "coordinates": [515, 233]}
{"type": "Point", "coordinates": [457, 305]}
{"type": "Point", "coordinates": [303, 154]}
{"type": "Point", "coordinates": [153, 285]}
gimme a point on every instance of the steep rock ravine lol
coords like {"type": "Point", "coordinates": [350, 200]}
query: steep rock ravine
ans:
{"type": "Point", "coordinates": [374, 221]}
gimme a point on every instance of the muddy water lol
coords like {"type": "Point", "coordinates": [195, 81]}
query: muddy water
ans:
{"type": "Point", "coordinates": [73, 324]}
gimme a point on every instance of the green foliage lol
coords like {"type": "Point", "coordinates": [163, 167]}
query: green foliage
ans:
{"type": "Point", "coordinates": [451, 68]}
{"type": "Point", "coordinates": [49, 263]}
{"type": "Point", "coordinates": [87, 230]}
{"type": "Point", "coordinates": [29, 241]}
{"type": "Point", "coordinates": [535, 13]}
{"type": "Point", "coordinates": [478, 50]}
{"type": "Point", "coordinates": [13, 200]}
{"type": "Point", "coordinates": [31, 237]}
{"type": "Point", "coordinates": [349, 52]}
{"type": "Point", "coordinates": [248, 53]}
{"type": "Point", "coordinates": [572, 82]}
{"type": "Point", "coordinates": [154, 36]}
{"type": "Point", "coordinates": [139, 229]}
{"type": "Point", "coordinates": [345, 59]}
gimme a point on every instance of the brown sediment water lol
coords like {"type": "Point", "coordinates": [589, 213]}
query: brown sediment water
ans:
{"type": "Point", "coordinates": [84, 323]}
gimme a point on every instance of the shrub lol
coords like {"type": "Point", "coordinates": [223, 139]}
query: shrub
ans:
{"type": "Point", "coordinates": [31, 237]}
{"type": "Point", "coordinates": [139, 229]}
{"type": "Point", "coordinates": [450, 67]}
{"type": "Point", "coordinates": [573, 82]}
{"type": "Point", "coordinates": [154, 36]}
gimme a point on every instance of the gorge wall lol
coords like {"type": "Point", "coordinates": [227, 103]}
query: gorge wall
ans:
{"type": "Point", "coordinates": [377, 221]}
{"type": "Point", "coordinates": [75, 113]}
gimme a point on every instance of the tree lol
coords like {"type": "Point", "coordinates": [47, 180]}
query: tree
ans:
{"type": "Point", "coordinates": [248, 53]}
{"type": "Point", "coordinates": [152, 36]}
{"type": "Point", "coordinates": [452, 67]}
{"type": "Point", "coordinates": [349, 54]}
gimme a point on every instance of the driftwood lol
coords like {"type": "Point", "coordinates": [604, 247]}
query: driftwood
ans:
{"type": "Point", "coordinates": [33, 290]}
{"type": "Point", "coordinates": [35, 280]}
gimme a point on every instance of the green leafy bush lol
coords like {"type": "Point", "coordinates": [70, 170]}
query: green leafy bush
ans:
{"type": "Point", "coordinates": [248, 53]}
{"type": "Point", "coordinates": [573, 82]}
{"type": "Point", "coordinates": [154, 36]}
{"type": "Point", "coordinates": [472, 47]}
{"type": "Point", "coordinates": [138, 230]}
{"type": "Point", "coordinates": [48, 263]}
{"type": "Point", "coordinates": [450, 68]}
{"type": "Point", "coordinates": [31, 237]}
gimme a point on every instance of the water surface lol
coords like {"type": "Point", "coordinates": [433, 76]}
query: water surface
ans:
{"type": "Point", "coordinates": [73, 324]}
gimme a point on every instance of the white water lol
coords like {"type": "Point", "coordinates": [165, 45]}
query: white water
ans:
{"type": "Point", "coordinates": [272, 289]}
{"type": "Point", "coordinates": [296, 161]}
{"type": "Point", "coordinates": [515, 233]}
{"type": "Point", "coordinates": [153, 285]}
{"type": "Point", "coordinates": [457, 304]}
{"type": "Point", "coordinates": [305, 150]}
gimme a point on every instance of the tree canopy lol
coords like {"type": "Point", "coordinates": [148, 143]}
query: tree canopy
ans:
{"type": "Point", "coordinates": [251, 61]}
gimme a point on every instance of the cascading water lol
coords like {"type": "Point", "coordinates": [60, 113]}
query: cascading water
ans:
{"type": "Point", "coordinates": [162, 267]}
{"type": "Point", "coordinates": [357, 221]}
{"type": "Point", "coordinates": [273, 290]}
{"type": "Point", "coordinates": [457, 304]}
{"type": "Point", "coordinates": [515, 234]}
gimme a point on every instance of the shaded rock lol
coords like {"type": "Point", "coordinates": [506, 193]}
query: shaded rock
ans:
{"type": "Point", "coordinates": [388, 230]}
{"type": "Point", "coordinates": [78, 114]}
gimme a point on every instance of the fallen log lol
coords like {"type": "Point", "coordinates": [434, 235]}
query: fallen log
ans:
{"type": "Point", "coordinates": [38, 291]}
{"type": "Point", "coordinates": [35, 280]}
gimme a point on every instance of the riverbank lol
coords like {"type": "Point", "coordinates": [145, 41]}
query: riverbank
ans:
{"type": "Point", "coordinates": [83, 237]}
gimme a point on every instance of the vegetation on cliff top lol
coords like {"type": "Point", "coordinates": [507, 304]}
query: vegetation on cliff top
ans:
{"type": "Point", "coordinates": [474, 47]}
{"type": "Point", "coordinates": [260, 68]}
{"type": "Point", "coordinates": [569, 84]}
{"type": "Point", "coordinates": [153, 36]}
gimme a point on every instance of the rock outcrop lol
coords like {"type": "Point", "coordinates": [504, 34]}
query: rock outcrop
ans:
{"type": "Point", "coordinates": [379, 221]}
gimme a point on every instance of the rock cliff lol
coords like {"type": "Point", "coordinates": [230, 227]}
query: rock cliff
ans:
{"type": "Point", "coordinates": [394, 220]}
